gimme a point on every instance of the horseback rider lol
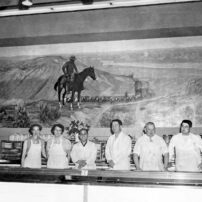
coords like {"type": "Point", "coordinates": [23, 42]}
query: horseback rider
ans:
{"type": "Point", "coordinates": [69, 69]}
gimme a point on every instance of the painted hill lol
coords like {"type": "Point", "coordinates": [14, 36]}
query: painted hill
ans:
{"type": "Point", "coordinates": [33, 79]}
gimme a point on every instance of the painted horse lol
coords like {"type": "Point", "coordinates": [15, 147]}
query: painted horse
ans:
{"type": "Point", "coordinates": [75, 86]}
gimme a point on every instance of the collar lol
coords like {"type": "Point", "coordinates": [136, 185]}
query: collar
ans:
{"type": "Point", "coordinates": [150, 138]}
{"type": "Point", "coordinates": [120, 134]}
{"type": "Point", "coordinates": [84, 143]}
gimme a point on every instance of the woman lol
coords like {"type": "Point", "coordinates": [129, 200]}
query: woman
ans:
{"type": "Point", "coordinates": [33, 147]}
{"type": "Point", "coordinates": [58, 148]}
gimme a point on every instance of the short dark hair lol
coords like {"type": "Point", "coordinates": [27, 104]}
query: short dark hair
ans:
{"type": "Point", "coordinates": [115, 120]}
{"type": "Point", "coordinates": [34, 125]}
{"type": "Point", "coordinates": [59, 126]}
{"type": "Point", "coordinates": [150, 123]}
{"type": "Point", "coordinates": [187, 122]}
{"type": "Point", "coordinates": [72, 57]}
{"type": "Point", "coordinates": [85, 129]}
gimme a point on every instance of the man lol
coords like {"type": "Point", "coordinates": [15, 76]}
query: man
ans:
{"type": "Point", "coordinates": [149, 151]}
{"type": "Point", "coordinates": [69, 69]}
{"type": "Point", "coordinates": [185, 147]}
{"type": "Point", "coordinates": [118, 148]}
{"type": "Point", "coordinates": [84, 152]}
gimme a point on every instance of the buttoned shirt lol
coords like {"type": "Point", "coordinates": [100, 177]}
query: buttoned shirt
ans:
{"type": "Point", "coordinates": [87, 152]}
{"type": "Point", "coordinates": [151, 151]}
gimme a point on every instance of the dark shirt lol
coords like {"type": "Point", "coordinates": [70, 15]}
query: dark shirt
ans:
{"type": "Point", "coordinates": [69, 67]}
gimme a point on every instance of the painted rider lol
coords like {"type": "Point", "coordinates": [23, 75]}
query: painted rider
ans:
{"type": "Point", "coordinates": [69, 69]}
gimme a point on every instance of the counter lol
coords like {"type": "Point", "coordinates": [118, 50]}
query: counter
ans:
{"type": "Point", "coordinates": [99, 177]}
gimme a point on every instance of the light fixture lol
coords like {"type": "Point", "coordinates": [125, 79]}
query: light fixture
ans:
{"type": "Point", "coordinates": [87, 2]}
{"type": "Point", "coordinates": [27, 3]}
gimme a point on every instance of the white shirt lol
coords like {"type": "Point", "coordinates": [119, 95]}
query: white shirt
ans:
{"type": "Point", "coordinates": [118, 149]}
{"type": "Point", "coordinates": [150, 151]}
{"type": "Point", "coordinates": [87, 153]}
{"type": "Point", "coordinates": [186, 149]}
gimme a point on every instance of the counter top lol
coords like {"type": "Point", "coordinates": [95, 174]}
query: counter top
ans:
{"type": "Point", "coordinates": [99, 177]}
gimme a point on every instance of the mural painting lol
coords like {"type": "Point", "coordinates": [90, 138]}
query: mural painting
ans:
{"type": "Point", "coordinates": [160, 84]}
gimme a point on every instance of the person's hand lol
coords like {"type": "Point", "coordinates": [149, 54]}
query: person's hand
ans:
{"type": "Point", "coordinates": [200, 166]}
{"type": "Point", "coordinates": [138, 168]}
{"type": "Point", "coordinates": [169, 165]}
{"type": "Point", "coordinates": [165, 168]}
{"type": "Point", "coordinates": [81, 163]}
{"type": "Point", "coordinates": [111, 163]}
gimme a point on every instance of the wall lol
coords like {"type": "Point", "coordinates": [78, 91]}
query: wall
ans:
{"type": "Point", "coordinates": [100, 133]}
{"type": "Point", "coordinates": [169, 21]}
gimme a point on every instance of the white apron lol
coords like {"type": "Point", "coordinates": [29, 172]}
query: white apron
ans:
{"type": "Point", "coordinates": [33, 158]}
{"type": "Point", "coordinates": [57, 156]}
{"type": "Point", "coordinates": [187, 157]}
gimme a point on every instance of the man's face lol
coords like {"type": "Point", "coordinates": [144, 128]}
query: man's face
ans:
{"type": "Point", "coordinates": [185, 129]}
{"type": "Point", "coordinates": [83, 135]}
{"type": "Point", "coordinates": [150, 130]}
{"type": "Point", "coordinates": [116, 128]}
{"type": "Point", "coordinates": [72, 59]}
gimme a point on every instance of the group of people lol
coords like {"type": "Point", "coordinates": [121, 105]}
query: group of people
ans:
{"type": "Point", "coordinates": [150, 152]}
{"type": "Point", "coordinates": [58, 149]}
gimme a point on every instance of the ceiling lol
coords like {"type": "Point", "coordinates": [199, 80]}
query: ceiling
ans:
{"type": "Point", "coordinates": [13, 8]}
{"type": "Point", "coordinates": [14, 3]}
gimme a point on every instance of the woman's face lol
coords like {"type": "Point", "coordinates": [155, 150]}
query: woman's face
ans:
{"type": "Point", "coordinates": [35, 131]}
{"type": "Point", "coordinates": [57, 131]}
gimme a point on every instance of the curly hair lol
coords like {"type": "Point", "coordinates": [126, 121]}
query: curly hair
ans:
{"type": "Point", "coordinates": [34, 125]}
{"type": "Point", "coordinates": [59, 126]}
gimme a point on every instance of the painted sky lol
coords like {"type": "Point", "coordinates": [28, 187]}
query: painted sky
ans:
{"type": "Point", "coordinates": [101, 47]}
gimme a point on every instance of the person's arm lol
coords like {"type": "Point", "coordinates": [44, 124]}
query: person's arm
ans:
{"type": "Point", "coordinates": [48, 147]}
{"type": "Point", "coordinates": [166, 160]}
{"type": "Point", "coordinates": [43, 150]}
{"type": "Point", "coordinates": [67, 147]}
{"type": "Point", "coordinates": [199, 145]}
{"type": "Point", "coordinates": [76, 158]}
{"type": "Point", "coordinates": [136, 154]}
{"type": "Point", "coordinates": [108, 154]}
{"type": "Point", "coordinates": [74, 154]}
{"type": "Point", "coordinates": [136, 161]}
{"type": "Point", "coordinates": [75, 68]}
{"type": "Point", "coordinates": [171, 149]}
{"type": "Point", "coordinates": [64, 68]}
{"type": "Point", "coordinates": [93, 154]}
{"type": "Point", "coordinates": [124, 151]}
{"type": "Point", "coordinates": [165, 153]}
{"type": "Point", "coordinates": [24, 152]}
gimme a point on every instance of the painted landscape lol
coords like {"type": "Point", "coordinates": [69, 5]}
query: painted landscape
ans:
{"type": "Point", "coordinates": [159, 85]}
